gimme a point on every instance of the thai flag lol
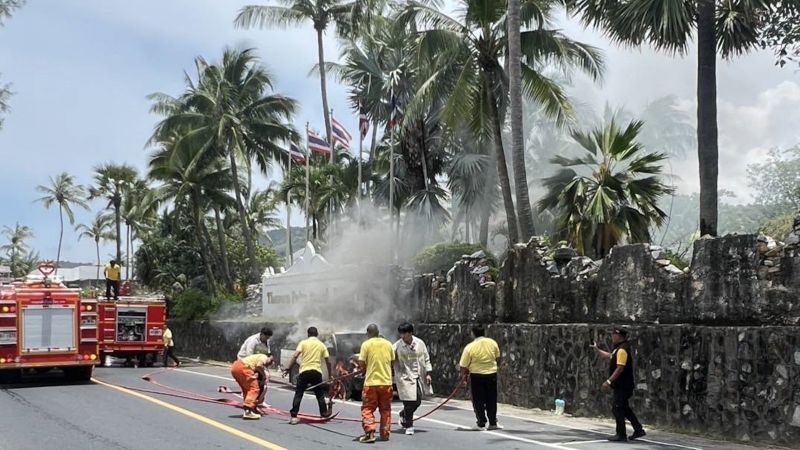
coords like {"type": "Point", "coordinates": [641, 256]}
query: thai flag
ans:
{"type": "Point", "coordinates": [363, 125]}
{"type": "Point", "coordinates": [395, 117]}
{"type": "Point", "coordinates": [340, 133]}
{"type": "Point", "coordinates": [297, 155]}
{"type": "Point", "coordinates": [317, 144]}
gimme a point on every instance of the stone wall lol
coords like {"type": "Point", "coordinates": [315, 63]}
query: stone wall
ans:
{"type": "Point", "coordinates": [735, 280]}
{"type": "Point", "coordinates": [739, 382]}
{"type": "Point", "coordinates": [221, 340]}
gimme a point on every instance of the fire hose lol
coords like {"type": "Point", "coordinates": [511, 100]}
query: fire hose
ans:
{"type": "Point", "coordinates": [267, 409]}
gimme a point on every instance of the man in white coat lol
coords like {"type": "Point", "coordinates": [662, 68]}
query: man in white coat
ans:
{"type": "Point", "coordinates": [412, 368]}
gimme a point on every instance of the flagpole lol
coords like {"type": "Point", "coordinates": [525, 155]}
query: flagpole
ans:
{"type": "Point", "coordinates": [391, 164]}
{"type": "Point", "coordinates": [332, 144]}
{"type": "Point", "coordinates": [290, 256]}
{"type": "Point", "coordinates": [308, 194]}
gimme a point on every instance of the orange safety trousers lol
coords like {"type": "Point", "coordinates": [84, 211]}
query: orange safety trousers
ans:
{"type": "Point", "coordinates": [380, 398]}
{"type": "Point", "coordinates": [242, 374]}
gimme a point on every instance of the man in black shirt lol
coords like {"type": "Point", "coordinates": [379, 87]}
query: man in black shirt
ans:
{"type": "Point", "coordinates": [621, 380]}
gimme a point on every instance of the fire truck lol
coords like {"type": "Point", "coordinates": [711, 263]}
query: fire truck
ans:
{"type": "Point", "coordinates": [44, 325]}
{"type": "Point", "coordinates": [131, 328]}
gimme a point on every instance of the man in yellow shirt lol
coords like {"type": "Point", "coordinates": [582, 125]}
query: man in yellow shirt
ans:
{"type": "Point", "coordinates": [375, 358]}
{"type": "Point", "coordinates": [169, 346]}
{"type": "Point", "coordinates": [621, 379]}
{"type": "Point", "coordinates": [246, 372]}
{"type": "Point", "coordinates": [311, 352]}
{"type": "Point", "coordinates": [479, 361]}
{"type": "Point", "coordinates": [112, 273]}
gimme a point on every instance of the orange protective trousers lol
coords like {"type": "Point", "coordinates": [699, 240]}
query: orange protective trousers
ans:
{"type": "Point", "coordinates": [380, 398]}
{"type": "Point", "coordinates": [242, 374]}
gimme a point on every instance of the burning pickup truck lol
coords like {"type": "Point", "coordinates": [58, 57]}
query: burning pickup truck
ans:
{"type": "Point", "coordinates": [343, 348]}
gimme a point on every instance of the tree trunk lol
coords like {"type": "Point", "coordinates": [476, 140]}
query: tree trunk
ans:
{"type": "Point", "coordinates": [372, 156]}
{"type": "Point", "coordinates": [467, 237]}
{"type": "Point", "coordinates": [526, 227]}
{"type": "Point", "coordinates": [127, 251]}
{"type": "Point", "coordinates": [212, 284]}
{"type": "Point", "coordinates": [97, 247]}
{"type": "Point", "coordinates": [502, 167]}
{"type": "Point", "coordinates": [223, 250]}
{"type": "Point", "coordinates": [60, 236]}
{"type": "Point", "coordinates": [324, 89]}
{"type": "Point", "coordinates": [118, 224]}
{"type": "Point", "coordinates": [248, 237]}
{"type": "Point", "coordinates": [707, 145]}
{"type": "Point", "coordinates": [483, 233]}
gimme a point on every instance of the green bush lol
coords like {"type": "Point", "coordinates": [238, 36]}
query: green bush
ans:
{"type": "Point", "coordinates": [441, 257]}
{"type": "Point", "coordinates": [193, 304]}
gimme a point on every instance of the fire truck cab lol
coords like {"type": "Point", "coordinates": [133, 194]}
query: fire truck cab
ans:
{"type": "Point", "coordinates": [132, 328]}
{"type": "Point", "coordinates": [44, 325]}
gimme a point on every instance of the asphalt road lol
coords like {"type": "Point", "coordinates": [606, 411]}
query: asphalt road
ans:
{"type": "Point", "coordinates": [45, 413]}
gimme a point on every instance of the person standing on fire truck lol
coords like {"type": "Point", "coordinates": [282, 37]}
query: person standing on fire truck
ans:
{"type": "Point", "coordinates": [247, 371]}
{"type": "Point", "coordinates": [112, 272]}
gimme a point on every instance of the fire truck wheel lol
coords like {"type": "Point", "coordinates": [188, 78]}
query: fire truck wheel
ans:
{"type": "Point", "coordinates": [82, 374]}
{"type": "Point", "coordinates": [10, 376]}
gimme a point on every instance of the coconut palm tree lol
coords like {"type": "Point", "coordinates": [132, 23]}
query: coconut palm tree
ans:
{"type": "Point", "coordinates": [320, 13]}
{"type": "Point", "coordinates": [65, 193]}
{"type": "Point", "coordinates": [98, 230]}
{"type": "Point", "coordinates": [17, 246]}
{"type": "Point", "coordinates": [111, 183]}
{"type": "Point", "coordinates": [721, 27]}
{"type": "Point", "coordinates": [475, 42]}
{"type": "Point", "coordinates": [229, 111]}
{"type": "Point", "coordinates": [608, 194]}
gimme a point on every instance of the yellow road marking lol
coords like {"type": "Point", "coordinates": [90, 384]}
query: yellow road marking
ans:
{"type": "Point", "coordinates": [220, 426]}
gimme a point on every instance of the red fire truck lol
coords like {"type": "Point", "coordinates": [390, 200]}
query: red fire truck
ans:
{"type": "Point", "coordinates": [44, 325]}
{"type": "Point", "coordinates": [131, 328]}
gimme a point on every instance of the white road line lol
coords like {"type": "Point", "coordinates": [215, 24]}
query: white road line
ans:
{"type": "Point", "coordinates": [583, 442]}
{"type": "Point", "coordinates": [490, 432]}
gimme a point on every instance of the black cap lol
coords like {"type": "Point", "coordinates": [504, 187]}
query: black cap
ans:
{"type": "Point", "coordinates": [620, 331]}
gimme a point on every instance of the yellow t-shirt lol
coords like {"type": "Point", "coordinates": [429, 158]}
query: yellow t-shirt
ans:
{"type": "Point", "coordinates": [378, 353]}
{"type": "Point", "coordinates": [167, 338]}
{"type": "Point", "coordinates": [622, 357]}
{"type": "Point", "coordinates": [480, 356]}
{"type": "Point", "coordinates": [112, 272]}
{"type": "Point", "coordinates": [312, 350]}
{"type": "Point", "coordinates": [254, 361]}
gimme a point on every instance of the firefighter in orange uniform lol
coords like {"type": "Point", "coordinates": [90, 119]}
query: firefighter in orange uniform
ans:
{"type": "Point", "coordinates": [246, 372]}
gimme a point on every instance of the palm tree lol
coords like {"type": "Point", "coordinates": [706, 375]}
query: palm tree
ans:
{"type": "Point", "coordinates": [524, 212]}
{"type": "Point", "coordinates": [475, 43]}
{"type": "Point", "coordinates": [17, 245]}
{"type": "Point", "coordinates": [184, 179]}
{"type": "Point", "coordinates": [64, 192]}
{"type": "Point", "coordinates": [608, 194]}
{"type": "Point", "coordinates": [229, 112]}
{"type": "Point", "coordinates": [98, 230]}
{"type": "Point", "coordinates": [730, 28]}
{"type": "Point", "coordinates": [111, 183]}
{"type": "Point", "coordinates": [139, 206]}
{"type": "Point", "coordinates": [320, 13]}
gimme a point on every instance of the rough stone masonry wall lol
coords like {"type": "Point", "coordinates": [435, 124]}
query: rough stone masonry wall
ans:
{"type": "Point", "coordinates": [715, 345]}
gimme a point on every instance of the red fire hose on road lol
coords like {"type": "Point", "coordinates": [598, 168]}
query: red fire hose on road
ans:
{"type": "Point", "coordinates": [304, 418]}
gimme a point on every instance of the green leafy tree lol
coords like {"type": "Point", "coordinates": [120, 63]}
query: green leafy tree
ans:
{"type": "Point", "coordinates": [98, 230]}
{"type": "Point", "coordinates": [111, 183]}
{"type": "Point", "coordinates": [63, 192]}
{"type": "Point", "coordinates": [7, 8]}
{"type": "Point", "coordinates": [230, 111]}
{"type": "Point", "coordinates": [720, 28]}
{"type": "Point", "coordinates": [608, 194]}
{"type": "Point", "coordinates": [17, 248]}
{"type": "Point", "coordinates": [476, 43]}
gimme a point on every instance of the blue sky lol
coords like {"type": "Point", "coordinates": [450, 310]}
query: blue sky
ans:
{"type": "Point", "coordinates": [81, 70]}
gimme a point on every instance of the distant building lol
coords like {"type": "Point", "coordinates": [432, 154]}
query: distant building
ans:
{"type": "Point", "coordinates": [78, 276]}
